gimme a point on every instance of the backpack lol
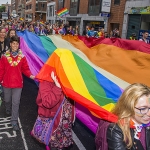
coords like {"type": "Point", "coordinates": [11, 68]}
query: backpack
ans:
{"type": "Point", "coordinates": [101, 137]}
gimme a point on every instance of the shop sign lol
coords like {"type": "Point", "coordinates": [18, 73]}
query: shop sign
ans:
{"type": "Point", "coordinates": [140, 10]}
{"type": "Point", "coordinates": [95, 22]}
{"type": "Point", "coordinates": [141, 34]}
{"type": "Point", "coordinates": [106, 4]}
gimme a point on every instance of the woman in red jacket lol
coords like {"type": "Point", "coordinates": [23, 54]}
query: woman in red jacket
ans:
{"type": "Point", "coordinates": [49, 98]}
{"type": "Point", "coordinates": [12, 65]}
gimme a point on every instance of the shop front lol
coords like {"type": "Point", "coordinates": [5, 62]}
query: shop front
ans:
{"type": "Point", "coordinates": [95, 24]}
{"type": "Point", "coordinates": [74, 21]}
{"type": "Point", "coordinates": [138, 21]}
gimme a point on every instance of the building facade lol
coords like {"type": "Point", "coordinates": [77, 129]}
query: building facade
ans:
{"type": "Point", "coordinates": [136, 18]}
{"type": "Point", "coordinates": [21, 8]}
{"type": "Point", "coordinates": [81, 12]}
{"type": "Point", "coordinates": [35, 10]}
{"type": "Point", "coordinates": [40, 10]}
{"type": "Point", "coordinates": [116, 15]}
{"type": "Point", "coordinates": [14, 4]}
{"type": "Point", "coordinates": [30, 10]}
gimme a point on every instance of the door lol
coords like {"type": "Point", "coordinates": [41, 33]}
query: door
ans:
{"type": "Point", "coordinates": [134, 25]}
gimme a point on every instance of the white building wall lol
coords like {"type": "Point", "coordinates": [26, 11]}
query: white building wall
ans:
{"type": "Point", "coordinates": [128, 6]}
{"type": "Point", "coordinates": [52, 11]}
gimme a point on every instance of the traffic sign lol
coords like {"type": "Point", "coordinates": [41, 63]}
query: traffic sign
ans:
{"type": "Point", "coordinates": [105, 14]}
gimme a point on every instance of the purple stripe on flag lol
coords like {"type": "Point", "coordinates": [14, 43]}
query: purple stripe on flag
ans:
{"type": "Point", "coordinates": [34, 62]}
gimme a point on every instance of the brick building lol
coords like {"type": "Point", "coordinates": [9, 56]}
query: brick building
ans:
{"type": "Point", "coordinates": [21, 8]}
{"type": "Point", "coordinates": [35, 10]}
{"type": "Point", "coordinates": [117, 15]}
{"type": "Point", "coordinates": [81, 12]}
{"type": "Point", "coordinates": [30, 10]}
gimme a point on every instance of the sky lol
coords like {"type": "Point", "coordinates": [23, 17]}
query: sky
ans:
{"type": "Point", "coordinates": [5, 1]}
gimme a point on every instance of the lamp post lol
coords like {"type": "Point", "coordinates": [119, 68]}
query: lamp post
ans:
{"type": "Point", "coordinates": [7, 9]}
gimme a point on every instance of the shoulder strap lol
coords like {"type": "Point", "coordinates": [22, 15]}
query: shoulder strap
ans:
{"type": "Point", "coordinates": [50, 129]}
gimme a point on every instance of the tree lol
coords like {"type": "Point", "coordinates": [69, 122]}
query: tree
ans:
{"type": "Point", "coordinates": [2, 8]}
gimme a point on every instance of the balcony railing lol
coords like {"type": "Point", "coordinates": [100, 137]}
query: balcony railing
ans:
{"type": "Point", "coordinates": [28, 10]}
{"type": "Point", "coordinates": [40, 11]}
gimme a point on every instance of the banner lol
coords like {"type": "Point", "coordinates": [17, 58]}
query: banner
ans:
{"type": "Point", "coordinates": [140, 10]}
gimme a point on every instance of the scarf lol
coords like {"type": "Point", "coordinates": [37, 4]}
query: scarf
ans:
{"type": "Point", "coordinates": [14, 53]}
{"type": "Point", "coordinates": [137, 128]}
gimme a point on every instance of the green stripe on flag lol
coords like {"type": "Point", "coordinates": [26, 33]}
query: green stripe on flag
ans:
{"type": "Point", "coordinates": [94, 88]}
{"type": "Point", "coordinates": [48, 44]}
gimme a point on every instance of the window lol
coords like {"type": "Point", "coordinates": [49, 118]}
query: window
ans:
{"type": "Point", "coordinates": [74, 7]}
{"type": "Point", "coordinates": [36, 7]}
{"type": "Point", "coordinates": [42, 5]}
{"type": "Point", "coordinates": [94, 7]}
{"type": "Point", "coordinates": [50, 10]}
{"type": "Point", "coordinates": [60, 4]}
{"type": "Point", "coordinates": [116, 2]}
{"type": "Point", "coordinates": [28, 16]}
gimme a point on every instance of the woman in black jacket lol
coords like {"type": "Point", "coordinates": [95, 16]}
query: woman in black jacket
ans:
{"type": "Point", "coordinates": [132, 131]}
{"type": "Point", "coordinates": [4, 42]}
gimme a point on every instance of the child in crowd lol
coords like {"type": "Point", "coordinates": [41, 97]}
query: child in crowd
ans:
{"type": "Point", "coordinates": [12, 64]}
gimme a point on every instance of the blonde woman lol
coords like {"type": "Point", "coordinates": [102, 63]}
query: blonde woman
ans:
{"type": "Point", "coordinates": [132, 129]}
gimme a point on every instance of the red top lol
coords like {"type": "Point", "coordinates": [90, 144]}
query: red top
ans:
{"type": "Point", "coordinates": [56, 31]}
{"type": "Point", "coordinates": [49, 99]}
{"type": "Point", "coordinates": [11, 76]}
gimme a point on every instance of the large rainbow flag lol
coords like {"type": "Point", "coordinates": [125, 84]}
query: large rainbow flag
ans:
{"type": "Point", "coordinates": [93, 72]}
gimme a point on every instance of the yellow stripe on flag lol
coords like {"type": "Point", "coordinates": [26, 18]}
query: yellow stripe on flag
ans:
{"type": "Point", "coordinates": [73, 74]}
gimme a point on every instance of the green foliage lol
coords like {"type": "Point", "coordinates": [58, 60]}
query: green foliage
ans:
{"type": "Point", "coordinates": [2, 8]}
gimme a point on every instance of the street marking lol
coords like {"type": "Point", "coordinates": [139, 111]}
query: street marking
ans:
{"type": "Point", "coordinates": [5, 119]}
{"type": "Point", "coordinates": [5, 124]}
{"type": "Point", "coordinates": [77, 141]}
{"type": "Point", "coordinates": [22, 135]}
{"type": "Point", "coordinates": [8, 134]}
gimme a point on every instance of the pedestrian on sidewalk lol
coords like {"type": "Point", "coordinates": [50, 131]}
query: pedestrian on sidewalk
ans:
{"type": "Point", "coordinates": [12, 64]}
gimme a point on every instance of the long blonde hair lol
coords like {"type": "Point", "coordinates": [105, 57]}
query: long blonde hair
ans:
{"type": "Point", "coordinates": [124, 108]}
